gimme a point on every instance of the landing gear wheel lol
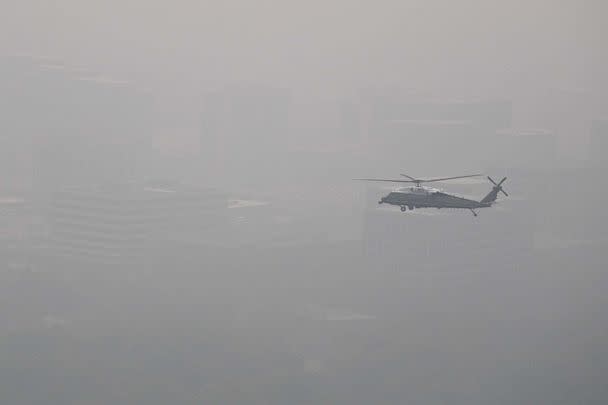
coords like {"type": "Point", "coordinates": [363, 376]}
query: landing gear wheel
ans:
{"type": "Point", "coordinates": [403, 208]}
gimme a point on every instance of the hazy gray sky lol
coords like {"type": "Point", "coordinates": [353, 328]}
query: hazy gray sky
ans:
{"type": "Point", "coordinates": [141, 286]}
{"type": "Point", "coordinates": [475, 46]}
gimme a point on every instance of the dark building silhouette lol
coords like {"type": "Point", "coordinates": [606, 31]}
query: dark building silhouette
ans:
{"type": "Point", "coordinates": [598, 143]}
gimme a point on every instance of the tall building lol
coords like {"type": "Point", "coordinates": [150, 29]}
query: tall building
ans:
{"type": "Point", "coordinates": [448, 240]}
{"type": "Point", "coordinates": [434, 137]}
{"type": "Point", "coordinates": [350, 128]}
{"type": "Point", "coordinates": [524, 149]}
{"type": "Point", "coordinates": [131, 221]}
{"type": "Point", "coordinates": [485, 115]}
{"type": "Point", "coordinates": [598, 143]}
{"type": "Point", "coordinates": [245, 131]}
{"type": "Point", "coordinates": [65, 126]}
{"type": "Point", "coordinates": [15, 213]}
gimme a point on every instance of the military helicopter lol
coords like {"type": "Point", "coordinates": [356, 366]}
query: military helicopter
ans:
{"type": "Point", "coordinates": [419, 196]}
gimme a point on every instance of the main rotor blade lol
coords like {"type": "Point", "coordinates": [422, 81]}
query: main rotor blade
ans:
{"type": "Point", "coordinates": [493, 182]}
{"type": "Point", "coordinates": [448, 178]}
{"type": "Point", "coordinates": [388, 180]}
{"type": "Point", "coordinates": [409, 177]}
{"type": "Point", "coordinates": [502, 181]}
{"type": "Point", "coordinates": [504, 192]}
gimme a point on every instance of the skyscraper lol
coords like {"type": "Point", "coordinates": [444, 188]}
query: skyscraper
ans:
{"type": "Point", "coordinates": [245, 131]}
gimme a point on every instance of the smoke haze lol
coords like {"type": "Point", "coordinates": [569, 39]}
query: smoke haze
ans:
{"type": "Point", "coordinates": [178, 222]}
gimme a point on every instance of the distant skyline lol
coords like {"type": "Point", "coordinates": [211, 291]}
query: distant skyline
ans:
{"type": "Point", "coordinates": [536, 53]}
{"type": "Point", "coordinates": [180, 224]}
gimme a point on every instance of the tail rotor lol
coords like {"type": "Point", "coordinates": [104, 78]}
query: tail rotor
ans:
{"type": "Point", "coordinates": [491, 197]}
{"type": "Point", "coordinates": [498, 186]}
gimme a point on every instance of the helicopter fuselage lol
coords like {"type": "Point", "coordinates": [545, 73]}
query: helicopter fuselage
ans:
{"type": "Point", "coordinates": [427, 197]}
{"type": "Point", "coordinates": [419, 196]}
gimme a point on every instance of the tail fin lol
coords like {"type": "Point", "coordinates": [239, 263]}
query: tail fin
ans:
{"type": "Point", "coordinates": [491, 197]}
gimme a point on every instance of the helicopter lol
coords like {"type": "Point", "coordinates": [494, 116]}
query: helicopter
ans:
{"type": "Point", "coordinates": [419, 196]}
